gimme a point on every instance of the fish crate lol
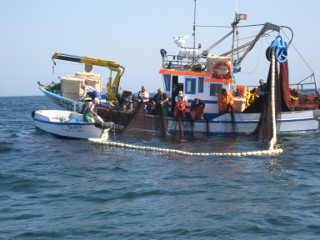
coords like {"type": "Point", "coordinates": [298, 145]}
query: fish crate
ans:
{"type": "Point", "coordinates": [91, 79]}
{"type": "Point", "coordinates": [70, 86]}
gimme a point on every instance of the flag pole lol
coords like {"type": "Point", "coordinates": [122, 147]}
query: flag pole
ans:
{"type": "Point", "coordinates": [234, 26]}
{"type": "Point", "coordinates": [194, 29]}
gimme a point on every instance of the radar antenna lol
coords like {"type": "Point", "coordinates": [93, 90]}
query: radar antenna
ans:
{"type": "Point", "coordinates": [181, 40]}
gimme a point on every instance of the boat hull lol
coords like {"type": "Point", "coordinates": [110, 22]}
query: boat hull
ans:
{"type": "Point", "coordinates": [63, 102]}
{"type": "Point", "coordinates": [245, 123]}
{"type": "Point", "coordinates": [53, 121]}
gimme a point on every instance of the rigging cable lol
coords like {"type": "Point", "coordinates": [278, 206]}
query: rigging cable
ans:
{"type": "Point", "coordinates": [257, 63]}
{"type": "Point", "coordinates": [299, 54]}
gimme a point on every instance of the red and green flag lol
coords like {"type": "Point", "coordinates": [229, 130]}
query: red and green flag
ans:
{"type": "Point", "coordinates": [242, 16]}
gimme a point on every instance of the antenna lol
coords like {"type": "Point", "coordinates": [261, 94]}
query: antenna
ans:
{"type": "Point", "coordinates": [234, 27]}
{"type": "Point", "coordinates": [194, 27]}
{"type": "Point", "coordinates": [181, 40]}
{"type": "Point", "coordinates": [236, 6]}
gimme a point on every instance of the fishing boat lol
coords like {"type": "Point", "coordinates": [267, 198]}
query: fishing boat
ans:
{"type": "Point", "coordinates": [69, 124]}
{"type": "Point", "coordinates": [202, 74]}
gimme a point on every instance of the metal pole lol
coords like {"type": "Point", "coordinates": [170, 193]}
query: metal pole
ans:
{"type": "Point", "coordinates": [194, 29]}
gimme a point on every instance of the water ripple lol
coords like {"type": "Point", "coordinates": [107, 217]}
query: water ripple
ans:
{"type": "Point", "coordinates": [56, 188]}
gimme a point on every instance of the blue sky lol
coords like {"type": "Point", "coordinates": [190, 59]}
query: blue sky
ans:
{"type": "Point", "coordinates": [132, 34]}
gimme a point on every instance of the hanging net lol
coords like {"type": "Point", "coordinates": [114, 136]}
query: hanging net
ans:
{"type": "Point", "coordinates": [286, 99]}
{"type": "Point", "coordinates": [142, 124]}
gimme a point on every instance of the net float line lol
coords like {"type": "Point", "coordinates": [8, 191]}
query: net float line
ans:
{"type": "Point", "coordinates": [269, 152]}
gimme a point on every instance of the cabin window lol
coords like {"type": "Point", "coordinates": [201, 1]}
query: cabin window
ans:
{"type": "Point", "coordinates": [167, 82]}
{"type": "Point", "coordinates": [190, 86]}
{"type": "Point", "coordinates": [200, 84]}
{"type": "Point", "coordinates": [215, 89]}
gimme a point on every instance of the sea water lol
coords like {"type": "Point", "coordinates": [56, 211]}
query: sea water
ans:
{"type": "Point", "coordinates": [59, 188]}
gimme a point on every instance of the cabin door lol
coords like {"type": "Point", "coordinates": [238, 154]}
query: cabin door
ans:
{"type": "Point", "coordinates": [176, 87]}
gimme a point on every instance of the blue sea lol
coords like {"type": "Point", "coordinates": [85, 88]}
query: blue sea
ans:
{"type": "Point", "coordinates": [59, 188]}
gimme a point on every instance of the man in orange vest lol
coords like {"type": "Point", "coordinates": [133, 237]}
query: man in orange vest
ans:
{"type": "Point", "coordinates": [197, 108]}
{"type": "Point", "coordinates": [225, 101]}
{"type": "Point", "coordinates": [180, 107]}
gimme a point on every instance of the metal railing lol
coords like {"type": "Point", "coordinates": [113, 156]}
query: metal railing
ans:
{"type": "Point", "coordinates": [178, 62]}
{"type": "Point", "coordinates": [301, 86]}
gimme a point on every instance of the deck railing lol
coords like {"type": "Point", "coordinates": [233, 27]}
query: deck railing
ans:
{"type": "Point", "coordinates": [301, 86]}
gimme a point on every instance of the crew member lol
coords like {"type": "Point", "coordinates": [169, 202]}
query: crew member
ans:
{"type": "Point", "coordinates": [90, 91]}
{"type": "Point", "coordinates": [197, 107]}
{"type": "Point", "coordinates": [88, 110]}
{"type": "Point", "coordinates": [143, 97]}
{"type": "Point", "coordinates": [160, 100]}
{"type": "Point", "coordinates": [225, 101]}
{"type": "Point", "coordinates": [180, 107]}
{"type": "Point", "coordinates": [262, 87]}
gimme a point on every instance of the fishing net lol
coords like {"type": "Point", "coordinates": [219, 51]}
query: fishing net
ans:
{"type": "Point", "coordinates": [119, 117]}
{"type": "Point", "coordinates": [286, 103]}
{"type": "Point", "coordinates": [189, 126]}
{"type": "Point", "coordinates": [160, 120]}
{"type": "Point", "coordinates": [304, 101]}
{"type": "Point", "coordinates": [233, 121]}
{"type": "Point", "coordinates": [179, 126]}
{"type": "Point", "coordinates": [291, 99]}
{"type": "Point", "coordinates": [286, 99]}
{"type": "Point", "coordinates": [142, 124]}
{"type": "Point", "coordinates": [264, 127]}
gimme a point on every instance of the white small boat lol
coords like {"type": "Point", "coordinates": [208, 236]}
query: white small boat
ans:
{"type": "Point", "coordinates": [69, 124]}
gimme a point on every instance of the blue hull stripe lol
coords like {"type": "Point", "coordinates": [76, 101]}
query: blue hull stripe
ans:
{"type": "Point", "coordinates": [248, 122]}
{"type": "Point", "coordinates": [63, 123]}
{"type": "Point", "coordinates": [241, 133]}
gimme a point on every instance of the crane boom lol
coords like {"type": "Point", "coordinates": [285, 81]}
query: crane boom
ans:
{"type": "Point", "coordinates": [112, 86]}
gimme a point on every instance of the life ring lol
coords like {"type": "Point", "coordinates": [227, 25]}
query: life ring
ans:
{"type": "Point", "coordinates": [222, 75]}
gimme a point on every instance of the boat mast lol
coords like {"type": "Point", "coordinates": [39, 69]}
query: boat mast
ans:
{"type": "Point", "coordinates": [194, 30]}
{"type": "Point", "coordinates": [234, 27]}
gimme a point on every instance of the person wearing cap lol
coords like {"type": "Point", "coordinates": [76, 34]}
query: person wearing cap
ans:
{"type": "Point", "coordinates": [160, 102]}
{"type": "Point", "coordinates": [89, 91]}
{"type": "Point", "coordinates": [262, 87]}
{"type": "Point", "coordinates": [180, 107]}
{"type": "Point", "coordinates": [225, 101]}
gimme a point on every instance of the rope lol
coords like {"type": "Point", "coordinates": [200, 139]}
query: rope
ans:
{"type": "Point", "coordinates": [269, 152]}
{"type": "Point", "coordinates": [273, 108]}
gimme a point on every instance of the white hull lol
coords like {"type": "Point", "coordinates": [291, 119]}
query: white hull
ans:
{"type": "Point", "coordinates": [63, 102]}
{"type": "Point", "coordinates": [245, 123]}
{"type": "Point", "coordinates": [52, 121]}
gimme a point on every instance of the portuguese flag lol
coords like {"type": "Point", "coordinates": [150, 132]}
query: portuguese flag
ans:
{"type": "Point", "coordinates": [241, 16]}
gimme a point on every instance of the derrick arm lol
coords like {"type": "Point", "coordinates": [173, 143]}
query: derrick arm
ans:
{"type": "Point", "coordinates": [249, 46]}
{"type": "Point", "coordinates": [267, 26]}
{"type": "Point", "coordinates": [112, 86]}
